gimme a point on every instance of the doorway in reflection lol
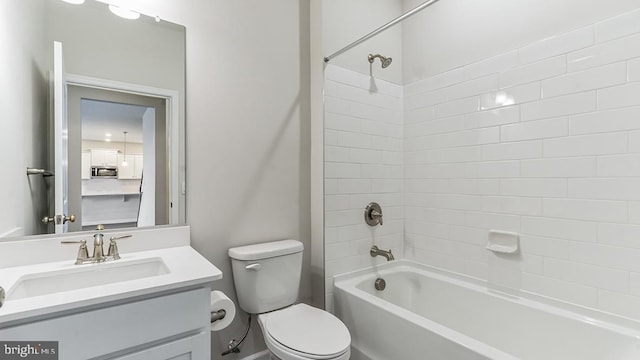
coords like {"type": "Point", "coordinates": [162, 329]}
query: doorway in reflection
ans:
{"type": "Point", "coordinates": [117, 161]}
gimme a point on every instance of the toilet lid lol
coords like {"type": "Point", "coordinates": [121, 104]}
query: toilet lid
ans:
{"type": "Point", "coordinates": [308, 330]}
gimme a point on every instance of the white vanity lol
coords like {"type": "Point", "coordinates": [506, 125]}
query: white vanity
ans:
{"type": "Point", "coordinates": [153, 303]}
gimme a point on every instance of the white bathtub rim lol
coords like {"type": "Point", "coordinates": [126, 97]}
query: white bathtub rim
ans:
{"type": "Point", "coordinates": [619, 324]}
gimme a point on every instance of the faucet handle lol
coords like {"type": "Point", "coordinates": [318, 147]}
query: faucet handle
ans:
{"type": "Point", "coordinates": [83, 252]}
{"type": "Point", "coordinates": [113, 246]}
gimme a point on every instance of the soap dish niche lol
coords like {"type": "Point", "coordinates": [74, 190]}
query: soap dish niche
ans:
{"type": "Point", "coordinates": [504, 242]}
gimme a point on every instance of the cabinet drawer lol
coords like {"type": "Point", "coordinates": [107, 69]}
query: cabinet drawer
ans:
{"type": "Point", "coordinates": [119, 327]}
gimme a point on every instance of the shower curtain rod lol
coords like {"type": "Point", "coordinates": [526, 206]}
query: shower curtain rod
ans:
{"type": "Point", "coordinates": [382, 28]}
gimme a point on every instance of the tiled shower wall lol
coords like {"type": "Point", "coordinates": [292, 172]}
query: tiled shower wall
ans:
{"type": "Point", "coordinates": [543, 141]}
{"type": "Point", "coordinates": [363, 163]}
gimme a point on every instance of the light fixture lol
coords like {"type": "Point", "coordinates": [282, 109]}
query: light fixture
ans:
{"type": "Point", "coordinates": [74, 2]}
{"type": "Point", "coordinates": [124, 13]}
{"type": "Point", "coordinates": [124, 158]}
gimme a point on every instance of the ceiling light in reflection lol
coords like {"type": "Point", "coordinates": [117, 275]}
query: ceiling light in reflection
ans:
{"type": "Point", "coordinates": [124, 13]}
{"type": "Point", "coordinates": [75, 2]}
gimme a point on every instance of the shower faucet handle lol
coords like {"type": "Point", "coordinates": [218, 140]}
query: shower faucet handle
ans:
{"type": "Point", "coordinates": [373, 214]}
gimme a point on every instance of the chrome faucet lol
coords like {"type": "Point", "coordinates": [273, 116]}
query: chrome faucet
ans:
{"type": "Point", "coordinates": [98, 250]}
{"type": "Point", "coordinates": [375, 251]}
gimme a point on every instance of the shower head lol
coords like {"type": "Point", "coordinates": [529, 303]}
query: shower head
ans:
{"type": "Point", "coordinates": [386, 61]}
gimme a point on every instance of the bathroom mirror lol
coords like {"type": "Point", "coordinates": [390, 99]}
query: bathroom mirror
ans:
{"type": "Point", "coordinates": [118, 73]}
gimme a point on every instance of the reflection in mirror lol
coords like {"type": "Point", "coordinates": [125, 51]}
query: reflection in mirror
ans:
{"type": "Point", "coordinates": [99, 48]}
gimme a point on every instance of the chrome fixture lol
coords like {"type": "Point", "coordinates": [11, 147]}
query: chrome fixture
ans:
{"type": "Point", "coordinates": [218, 315]}
{"type": "Point", "coordinates": [375, 251]}
{"type": "Point", "coordinates": [2, 295]}
{"type": "Point", "coordinates": [386, 61]}
{"type": "Point", "coordinates": [58, 219]}
{"type": "Point", "coordinates": [98, 250]}
{"type": "Point", "coordinates": [43, 172]}
{"type": "Point", "coordinates": [382, 28]}
{"type": "Point", "coordinates": [373, 214]}
{"type": "Point", "coordinates": [380, 284]}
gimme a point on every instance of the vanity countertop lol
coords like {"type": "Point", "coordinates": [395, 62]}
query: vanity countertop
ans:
{"type": "Point", "coordinates": [137, 274]}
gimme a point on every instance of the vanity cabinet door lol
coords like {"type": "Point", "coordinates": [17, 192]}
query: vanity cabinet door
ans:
{"type": "Point", "coordinates": [190, 348]}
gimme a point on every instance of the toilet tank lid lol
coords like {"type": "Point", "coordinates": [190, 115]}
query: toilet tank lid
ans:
{"type": "Point", "coordinates": [266, 250]}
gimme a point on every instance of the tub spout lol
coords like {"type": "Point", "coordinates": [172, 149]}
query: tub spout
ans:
{"type": "Point", "coordinates": [375, 251]}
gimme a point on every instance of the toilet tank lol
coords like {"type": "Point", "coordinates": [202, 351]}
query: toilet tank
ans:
{"type": "Point", "coordinates": [267, 275]}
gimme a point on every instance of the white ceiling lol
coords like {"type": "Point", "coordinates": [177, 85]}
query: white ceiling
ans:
{"type": "Point", "coordinates": [101, 117]}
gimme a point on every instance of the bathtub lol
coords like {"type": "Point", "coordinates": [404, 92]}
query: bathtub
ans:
{"type": "Point", "coordinates": [426, 313]}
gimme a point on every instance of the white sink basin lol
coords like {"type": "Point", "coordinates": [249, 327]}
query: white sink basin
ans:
{"type": "Point", "coordinates": [84, 276]}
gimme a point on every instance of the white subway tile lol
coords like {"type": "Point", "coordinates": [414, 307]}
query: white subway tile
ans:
{"type": "Point", "coordinates": [426, 99]}
{"type": "Point", "coordinates": [605, 53]}
{"type": "Point", "coordinates": [634, 212]}
{"type": "Point", "coordinates": [472, 87]}
{"type": "Point", "coordinates": [623, 235]}
{"type": "Point", "coordinates": [585, 274]}
{"type": "Point", "coordinates": [633, 70]}
{"type": "Point", "coordinates": [559, 106]}
{"type": "Point", "coordinates": [354, 186]}
{"type": "Point", "coordinates": [468, 235]}
{"type": "Point", "coordinates": [487, 221]}
{"type": "Point", "coordinates": [560, 167]}
{"type": "Point", "coordinates": [534, 187]}
{"type": "Point", "coordinates": [499, 116]}
{"type": "Point", "coordinates": [560, 228]}
{"type": "Point", "coordinates": [511, 96]}
{"type": "Point", "coordinates": [605, 121]}
{"type": "Point", "coordinates": [353, 232]}
{"type": "Point", "coordinates": [330, 137]}
{"type": "Point", "coordinates": [532, 72]}
{"type": "Point", "coordinates": [354, 140]}
{"type": "Point", "coordinates": [597, 144]}
{"type": "Point", "coordinates": [557, 45]}
{"type": "Point", "coordinates": [341, 122]}
{"type": "Point", "coordinates": [505, 272]}
{"type": "Point", "coordinates": [512, 205]}
{"type": "Point", "coordinates": [336, 251]}
{"type": "Point", "coordinates": [605, 188]}
{"type": "Point", "coordinates": [386, 186]}
{"type": "Point", "coordinates": [491, 66]}
{"type": "Point", "coordinates": [621, 304]}
{"type": "Point", "coordinates": [619, 96]}
{"type": "Point", "coordinates": [330, 186]}
{"type": "Point", "coordinates": [592, 210]}
{"type": "Point", "coordinates": [341, 170]}
{"type": "Point", "coordinates": [512, 150]}
{"type": "Point", "coordinates": [456, 202]}
{"type": "Point", "coordinates": [559, 289]}
{"type": "Point", "coordinates": [596, 78]}
{"type": "Point", "coordinates": [532, 264]}
{"type": "Point", "coordinates": [537, 129]}
{"type": "Point", "coordinates": [634, 284]}
{"type": "Point", "coordinates": [419, 115]}
{"type": "Point", "coordinates": [494, 169]}
{"type": "Point", "coordinates": [474, 186]}
{"type": "Point", "coordinates": [342, 218]}
{"type": "Point", "coordinates": [457, 107]}
{"type": "Point", "coordinates": [634, 141]}
{"type": "Point", "coordinates": [619, 165]}
{"type": "Point", "coordinates": [618, 26]}
{"type": "Point", "coordinates": [544, 246]}
{"type": "Point", "coordinates": [336, 154]}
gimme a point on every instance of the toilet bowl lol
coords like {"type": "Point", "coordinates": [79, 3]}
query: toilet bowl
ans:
{"type": "Point", "coordinates": [267, 281]}
{"type": "Point", "coordinates": [302, 332]}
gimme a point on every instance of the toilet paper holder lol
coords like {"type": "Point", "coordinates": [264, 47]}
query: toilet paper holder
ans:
{"type": "Point", "coordinates": [218, 315]}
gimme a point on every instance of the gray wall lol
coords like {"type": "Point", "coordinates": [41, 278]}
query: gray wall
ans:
{"type": "Point", "coordinates": [23, 105]}
{"type": "Point", "coordinates": [247, 131]}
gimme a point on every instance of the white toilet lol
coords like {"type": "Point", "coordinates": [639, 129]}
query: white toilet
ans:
{"type": "Point", "coordinates": [267, 280]}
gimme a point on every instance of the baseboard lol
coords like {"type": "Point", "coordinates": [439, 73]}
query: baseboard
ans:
{"type": "Point", "coordinates": [262, 355]}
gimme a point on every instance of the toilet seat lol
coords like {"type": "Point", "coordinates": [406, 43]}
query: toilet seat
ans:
{"type": "Point", "coordinates": [304, 332]}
